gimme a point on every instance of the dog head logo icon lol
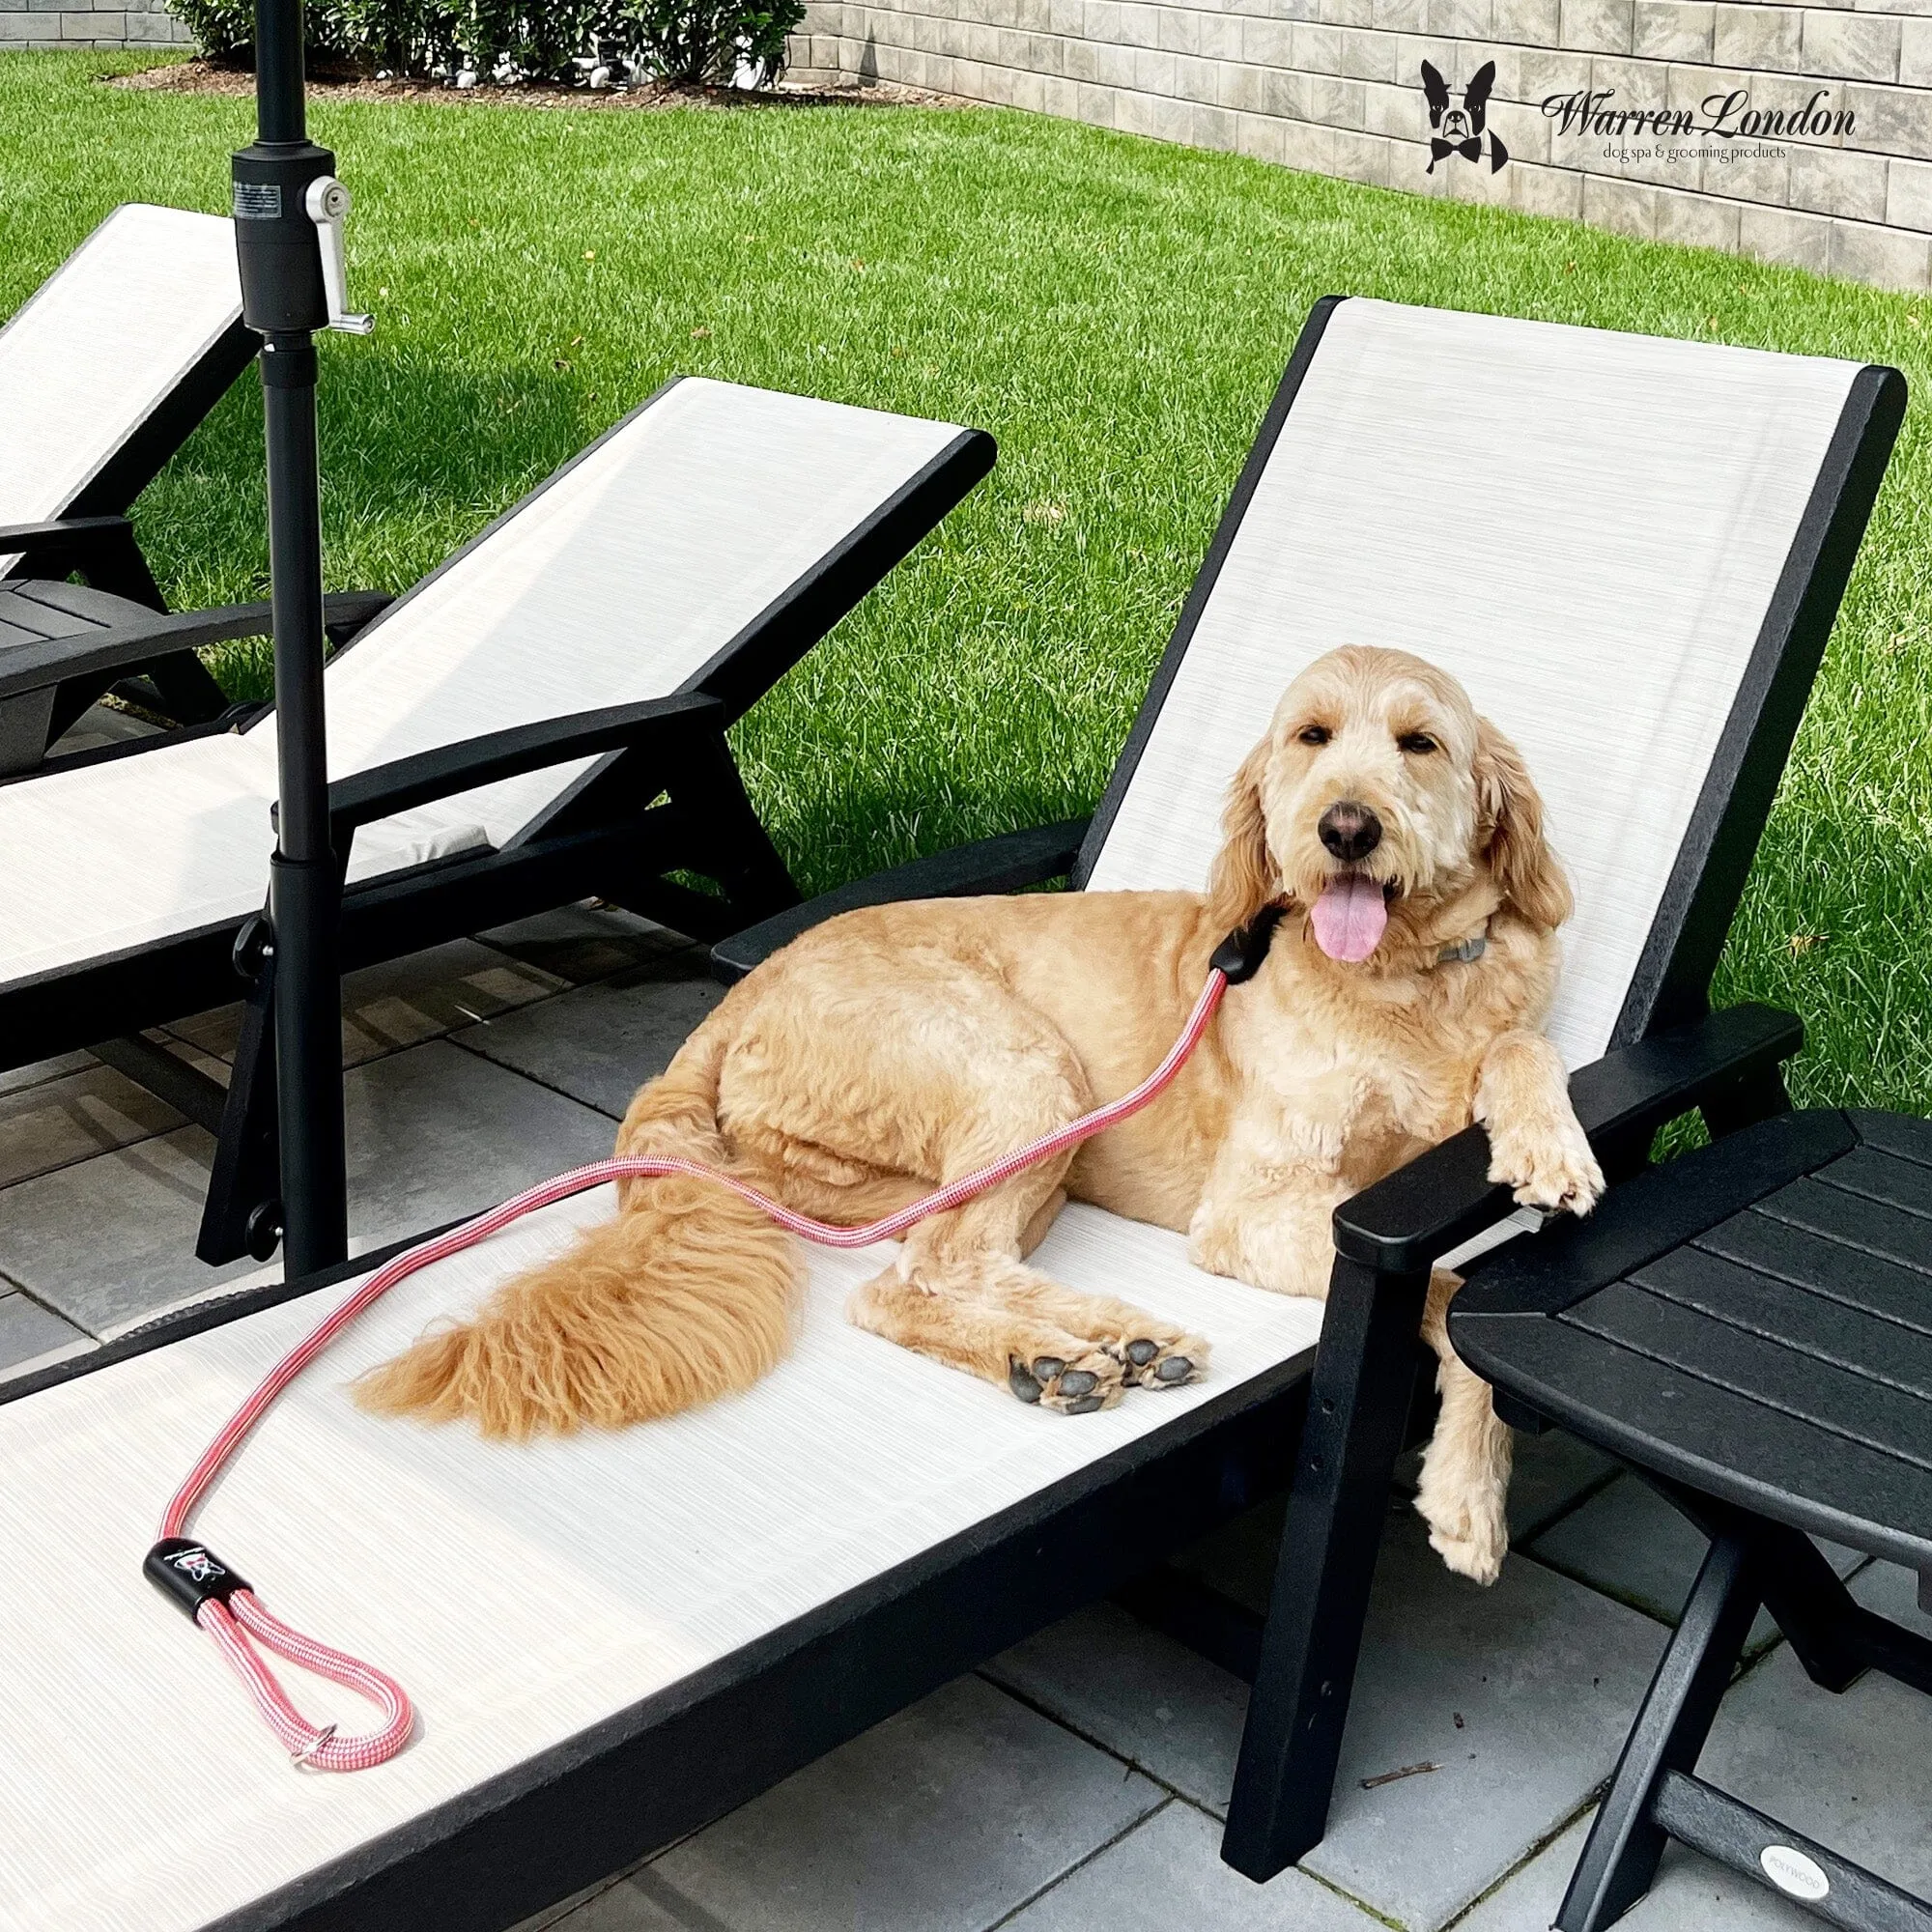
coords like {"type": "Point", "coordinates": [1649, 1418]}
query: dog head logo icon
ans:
{"type": "Point", "coordinates": [1461, 130]}
{"type": "Point", "coordinates": [197, 1565]}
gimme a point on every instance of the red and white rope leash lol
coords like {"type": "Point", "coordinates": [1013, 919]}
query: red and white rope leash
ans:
{"type": "Point", "coordinates": [228, 1609]}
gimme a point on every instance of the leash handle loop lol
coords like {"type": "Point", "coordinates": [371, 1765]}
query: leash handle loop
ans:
{"type": "Point", "coordinates": [241, 1627]}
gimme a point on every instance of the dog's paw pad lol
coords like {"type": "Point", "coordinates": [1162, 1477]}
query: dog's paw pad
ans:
{"type": "Point", "coordinates": [1072, 1387]}
{"type": "Point", "coordinates": [1163, 1361]}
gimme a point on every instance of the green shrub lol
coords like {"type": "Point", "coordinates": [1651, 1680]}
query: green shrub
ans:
{"type": "Point", "coordinates": [690, 42]}
{"type": "Point", "coordinates": [685, 43]}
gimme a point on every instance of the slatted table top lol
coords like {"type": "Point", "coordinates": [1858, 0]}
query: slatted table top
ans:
{"type": "Point", "coordinates": [32, 610]}
{"type": "Point", "coordinates": [1753, 1319]}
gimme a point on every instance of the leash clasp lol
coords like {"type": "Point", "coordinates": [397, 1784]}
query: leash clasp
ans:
{"type": "Point", "coordinates": [1238, 956]}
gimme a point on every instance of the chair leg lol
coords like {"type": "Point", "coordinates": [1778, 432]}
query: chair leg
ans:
{"type": "Point", "coordinates": [739, 853]}
{"type": "Point", "coordinates": [1817, 1614]}
{"type": "Point", "coordinates": [186, 690]}
{"type": "Point", "coordinates": [1620, 1859]}
{"type": "Point", "coordinates": [1357, 1405]}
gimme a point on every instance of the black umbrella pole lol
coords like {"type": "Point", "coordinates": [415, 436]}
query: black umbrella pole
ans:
{"type": "Point", "coordinates": [283, 298]}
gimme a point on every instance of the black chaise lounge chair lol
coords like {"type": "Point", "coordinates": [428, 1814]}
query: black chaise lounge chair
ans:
{"type": "Point", "coordinates": [541, 719]}
{"type": "Point", "coordinates": [105, 373]}
{"type": "Point", "coordinates": [617, 1639]}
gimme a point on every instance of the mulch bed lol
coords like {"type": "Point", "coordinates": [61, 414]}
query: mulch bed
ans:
{"type": "Point", "coordinates": [201, 76]}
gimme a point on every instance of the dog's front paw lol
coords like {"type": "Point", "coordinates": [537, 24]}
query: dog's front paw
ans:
{"type": "Point", "coordinates": [1469, 1529]}
{"type": "Point", "coordinates": [1552, 1167]}
{"type": "Point", "coordinates": [1476, 1551]}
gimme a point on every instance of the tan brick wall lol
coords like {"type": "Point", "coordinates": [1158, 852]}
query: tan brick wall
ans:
{"type": "Point", "coordinates": [73, 23]}
{"type": "Point", "coordinates": [1334, 86]}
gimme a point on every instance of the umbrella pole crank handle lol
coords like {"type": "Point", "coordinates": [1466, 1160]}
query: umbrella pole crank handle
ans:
{"type": "Point", "coordinates": [328, 203]}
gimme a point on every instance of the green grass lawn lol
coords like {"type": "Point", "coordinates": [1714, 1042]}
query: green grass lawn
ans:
{"type": "Point", "coordinates": [1116, 311]}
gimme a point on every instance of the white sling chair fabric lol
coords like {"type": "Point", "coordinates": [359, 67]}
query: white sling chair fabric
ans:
{"type": "Point", "coordinates": [523, 1594]}
{"type": "Point", "coordinates": [102, 342]}
{"type": "Point", "coordinates": [519, 1594]}
{"type": "Point", "coordinates": [620, 580]}
{"type": "Point", "coordinates": [1584, 527]}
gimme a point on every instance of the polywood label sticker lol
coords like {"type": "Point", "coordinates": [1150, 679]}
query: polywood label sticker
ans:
{"type": "Point", "coordinates": [1792, 1871]}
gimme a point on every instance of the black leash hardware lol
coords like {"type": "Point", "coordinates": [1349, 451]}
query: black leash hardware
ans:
{"type": "Point", "coordinates": [189, 1574]}
{"type": "Point", "coordinates": [1239, 956]}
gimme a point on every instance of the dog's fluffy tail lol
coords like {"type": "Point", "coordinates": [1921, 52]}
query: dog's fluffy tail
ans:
{"type": "Point", "coordinates": [687, 1294]}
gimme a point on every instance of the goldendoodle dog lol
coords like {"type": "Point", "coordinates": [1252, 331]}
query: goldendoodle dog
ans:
{"type": "Point", "coordinates": [1399, 839]}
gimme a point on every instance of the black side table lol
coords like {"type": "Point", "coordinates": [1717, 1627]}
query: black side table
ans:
{"type": "Point", "coordinates": [1751, 1328]}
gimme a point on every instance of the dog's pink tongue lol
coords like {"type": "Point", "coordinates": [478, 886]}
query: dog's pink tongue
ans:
{"type": "Point", "coordinates": [1350, 918]}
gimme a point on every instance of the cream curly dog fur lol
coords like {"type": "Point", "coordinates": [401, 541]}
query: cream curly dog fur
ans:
{"type": "Point", "coordinates": [904, 1045]}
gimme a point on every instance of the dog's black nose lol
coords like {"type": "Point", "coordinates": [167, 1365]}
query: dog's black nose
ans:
{"type": "Point", "coordinates": [1350, 831]}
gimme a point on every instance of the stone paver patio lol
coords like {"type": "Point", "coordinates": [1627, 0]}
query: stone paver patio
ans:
{"type": "Point", "coordinates": [1076, 1781]}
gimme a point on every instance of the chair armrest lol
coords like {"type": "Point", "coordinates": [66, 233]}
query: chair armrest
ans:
{"type": "Point", "coordinates": [63, 537]}
{"type": "Point", "coordinates": [383, 791]}
{"type": "Point", "coordinates": [151, 633]}
{"type": "Point", "coordinates": [1444, 1197]}
{"type": "Point", "coordinates": [999, 865]}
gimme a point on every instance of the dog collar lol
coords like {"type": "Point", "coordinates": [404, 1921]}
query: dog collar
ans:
{"type": "Point", "coordinates": [1239, 956]}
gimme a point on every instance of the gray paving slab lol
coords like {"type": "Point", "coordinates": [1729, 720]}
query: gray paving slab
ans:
{"type": "Point", "coordinates": [40, 1070]}
{"type": "Point", "coordinates": [1519, 1697]}
{"type": "Point", "coordinates": [30, 1333]}
{"type": "Point", "coordinates": [1629, 1543]}
{"type": "Point", "coordinates": [1144, 1696]}
{"type": "Point", "coordinates": [401, 1002]}
{"type": "Point", "coordinates": [601, 1042]}
{"type": "Point", "coordinates": [1167, 1872]}
{"type": "Point", "coordinates": [586, 942]}
{"type": "Point", "coordinates": [433, 1133]}
{"type": "Point", "coordinates": [73, 1118]}
{"type": "Point", "coordinates": [112, 1238]}
{"type": "Point", "coordinates": [944, 1818]}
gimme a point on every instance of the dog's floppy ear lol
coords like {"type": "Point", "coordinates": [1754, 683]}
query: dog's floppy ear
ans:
{"type": "Point", "coordinates": [1476, 95]}
{"type": "Point", "coordinates": [1518, 855]}
{"type": "Point", "coordinates": [1243, 880]}
{"type": "Point", "coordinates": [1435, 91]}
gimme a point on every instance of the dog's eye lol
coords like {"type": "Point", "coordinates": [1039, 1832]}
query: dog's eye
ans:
{"type": "Point", "coordinates": [1315, 734]}
{"type": "Point", "coordinates": [1416, 741]}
